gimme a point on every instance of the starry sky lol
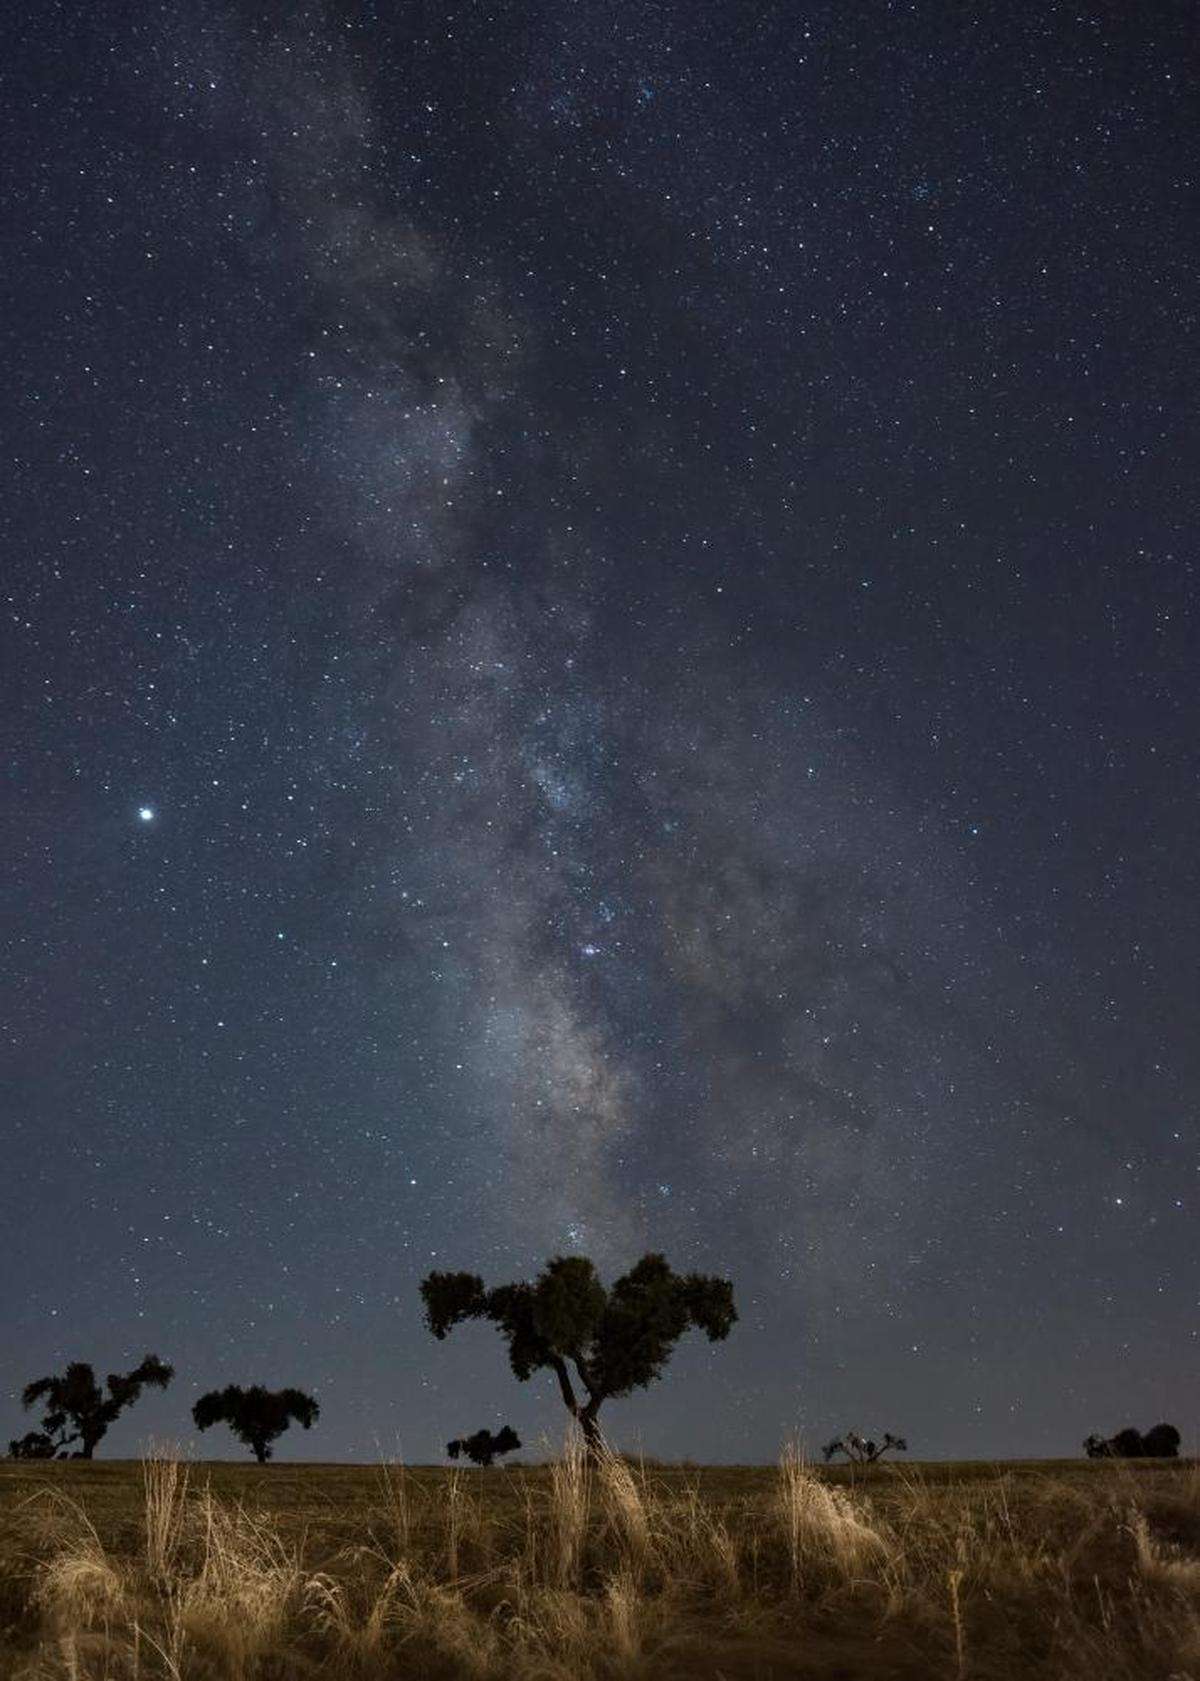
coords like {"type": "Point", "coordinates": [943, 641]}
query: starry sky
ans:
{"type": "Point", "coordinates": [600, 654]}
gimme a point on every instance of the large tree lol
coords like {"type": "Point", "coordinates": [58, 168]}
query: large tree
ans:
{"type": "Point", "coordinates": [78, 1410]}
{"type": "Point", "coordinates": [598, 1343]}
{"type": "Point", "coordinates": [257, 1416]}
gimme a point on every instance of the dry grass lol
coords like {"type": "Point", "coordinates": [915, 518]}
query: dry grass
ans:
{"type": "Point", "coordinates": [617, 1572]}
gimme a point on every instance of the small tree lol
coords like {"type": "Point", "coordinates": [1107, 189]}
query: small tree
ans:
{"type": "Point", "coordinates": [257, 1416]}
{"type": "Point", "coordinates": [608, 1342]}
{"type": "Point", "coordinates": [483, 1447]}
{"type": "Point", "coordinates": [78, 1410]}
{"type": "Point", "coordinates": [861, 1452]}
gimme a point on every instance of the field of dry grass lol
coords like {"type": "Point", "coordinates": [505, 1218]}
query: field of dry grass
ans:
{"type": "Point", "coordinates": [163, 1571]}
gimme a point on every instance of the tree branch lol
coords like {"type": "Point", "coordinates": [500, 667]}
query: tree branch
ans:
{"type": "Point", "coordinates": [559, 1366]}
{"type": "Point", "coordinates": [585, 1376]}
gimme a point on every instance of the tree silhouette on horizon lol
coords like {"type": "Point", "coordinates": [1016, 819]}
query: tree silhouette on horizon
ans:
{"type": "Point", "coordinates": [599, 1343]}
{"type": "Point", "coordinates": [1159, 1442]}
{"type": "Point", "coordinates": [861, 1452]}
{"type": "Point", "coordinates": [34, 1444]}
{"type": "Point", "coordinates": [78, 1410]}
{"type": "Point", "coordinates": [257, 1416]}
{"type": "Point", "coordinates": [483, 1447]}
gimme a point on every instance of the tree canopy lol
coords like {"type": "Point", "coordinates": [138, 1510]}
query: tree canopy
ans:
{"type": "Point", "coordinates": [78, 1410]}
{"type": "Point", "coordinates": [599, 1343]}
{"type": "Point", "coordinates": [257, 1416]}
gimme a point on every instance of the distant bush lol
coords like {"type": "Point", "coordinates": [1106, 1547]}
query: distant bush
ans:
{"type": "Point", "coordinates": [1162, 1442]}
{"type": "Point", "coordinates": [35, 1444]}
{"type": "Point", "coordinates": [483, 1447]}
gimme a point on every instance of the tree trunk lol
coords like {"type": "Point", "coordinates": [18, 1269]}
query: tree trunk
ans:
{"type": "Point", "coordinates": [260, 1452]}
{"type": "Point", "coordinates": [589, 1423]}
{"type": "Point", "coordinates": [585, 1416]}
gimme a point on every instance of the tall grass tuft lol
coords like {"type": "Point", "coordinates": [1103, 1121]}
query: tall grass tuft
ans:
{"type": "Point", "coordinates": [81, 1592]}
{"type": "Point", "coordinates": [828, 1539]}
{"type": "Point", "coordinates": [360, 1639]}
{"type": "Point", "coordinates": [570, 1498]}
{"type": "Point", "coordinates": [623, 1502]}
{"type": "Point", "coordinates": [164, 1484]}
{"type": "Point", "coordinates": [233, 1599]}
{"type": "Point", "coordinates": [394, 1486]}
{"type": "Point", "coordinates": [454, 1495]}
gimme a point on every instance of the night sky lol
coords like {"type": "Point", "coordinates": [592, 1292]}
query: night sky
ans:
{"type": "Point", "coordinates": [600, 654]}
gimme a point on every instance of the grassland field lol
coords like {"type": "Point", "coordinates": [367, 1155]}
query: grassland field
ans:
{"type": "Point", "coordinates": [163, 1570]}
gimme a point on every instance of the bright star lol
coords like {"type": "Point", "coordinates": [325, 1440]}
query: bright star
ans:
{"type": "Point", "coordinates": [146, 813]}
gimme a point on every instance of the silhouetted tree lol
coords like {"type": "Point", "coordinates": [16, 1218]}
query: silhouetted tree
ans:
{"type": "Point", "coordinates": [1161, 1442]}
{"type": "Point", "coordinates": [78, 1410]}
{"type": "Point", "coordinates": [863, 1452]}
{"type": "Point", "coordinates": [35, 1444]}
{"type": "Point", "coordinates": [257, 1416]}
{"type": "Point", "coordinates": [483, 1447]}
{"type": "Point", "coordinates": [609, 1342]}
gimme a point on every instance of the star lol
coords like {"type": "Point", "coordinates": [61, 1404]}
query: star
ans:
{"type": "Point", "coordinates": [146, 813]}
